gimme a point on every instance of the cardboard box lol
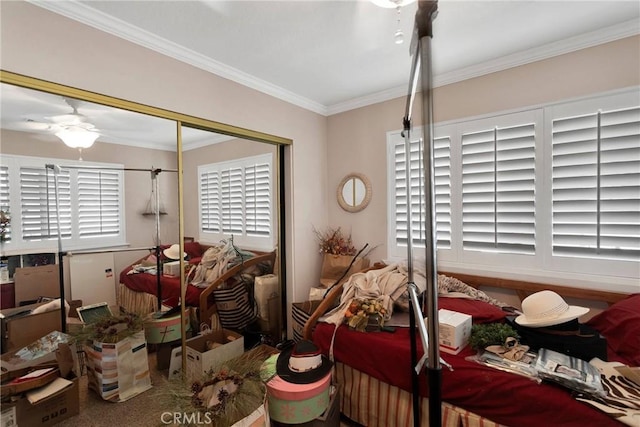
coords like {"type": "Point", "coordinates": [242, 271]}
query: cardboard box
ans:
{"type": "Point", "coordinates": [21, 328]}
{"type": "Point", "coordinates": [454, 331]}
{"type": "Point", "coordinates": [200, 360]}
{"type": "Point", "coordinates": [41, 350]}
{"type": "Point", "coordinates": [34, 282]}
{"type": "Point", "coordinates": [52, 410]}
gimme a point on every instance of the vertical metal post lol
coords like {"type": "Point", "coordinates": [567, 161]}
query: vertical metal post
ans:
{"type": "Point", "coordinates": [434, 367]}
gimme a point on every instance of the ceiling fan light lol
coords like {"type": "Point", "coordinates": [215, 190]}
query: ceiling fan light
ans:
{"type": "Point", "coordinates": [391, 3]}
{"type": "Point", "coordinates": [78, 137]}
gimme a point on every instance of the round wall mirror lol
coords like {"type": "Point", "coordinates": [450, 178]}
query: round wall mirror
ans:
{"type": "Point", "coordinates": [354, 192]}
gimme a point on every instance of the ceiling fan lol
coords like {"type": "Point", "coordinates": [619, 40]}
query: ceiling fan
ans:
{"type": "Point", "coordinates": [74, 129]}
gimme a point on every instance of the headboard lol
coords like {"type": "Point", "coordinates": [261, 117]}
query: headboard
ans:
{"type": "Point", "coordinates": [522, 289]}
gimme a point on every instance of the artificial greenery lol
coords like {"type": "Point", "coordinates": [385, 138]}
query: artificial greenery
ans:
{"type": "Point", "coordinates": [224, 395]}
{"type": "Point", "coordinates": [111, 329]}
{"type": "Point", "coordinates": [484, 335]}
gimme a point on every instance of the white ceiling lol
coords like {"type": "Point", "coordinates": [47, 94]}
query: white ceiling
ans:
{"type": "Point", "coordinates": [331, 56]}
{"type": "Point", "coordinates": [326, 56]}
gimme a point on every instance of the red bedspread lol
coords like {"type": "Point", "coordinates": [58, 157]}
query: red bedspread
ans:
{"type": "Point", "coordinates": [502, 397]}
{"type": "Point", "coordinates": [170, 286]}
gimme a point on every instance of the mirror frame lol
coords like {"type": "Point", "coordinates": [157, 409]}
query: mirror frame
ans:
{"type": "Point", "coordinates": [180, 119]}
{"type": "Point", "coordinates": [367, 192]}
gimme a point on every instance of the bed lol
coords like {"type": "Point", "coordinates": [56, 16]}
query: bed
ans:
{"type": "Point", "coordinates": [373, 368]}
{"type": "Point", "coordinates": [137, 292]}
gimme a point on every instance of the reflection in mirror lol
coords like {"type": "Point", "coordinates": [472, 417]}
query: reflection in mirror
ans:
{"type": "Point", "coordinates": [230, 191]}
{"type": "Point", "coordinates": [354, 192]}
{"type": "Point", "coordinates": [102, 192]}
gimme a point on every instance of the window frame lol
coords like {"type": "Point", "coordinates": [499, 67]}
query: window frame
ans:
{"type": "Point", "coordinates": [616, 275]}
{"type": "Point", "coordinates": [264, 243]}
{"type": "Point", "coordinates": [19, 245]}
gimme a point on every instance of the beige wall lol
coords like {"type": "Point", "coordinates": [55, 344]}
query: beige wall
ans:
{"type": "Point", "coordinates": [45, 45]}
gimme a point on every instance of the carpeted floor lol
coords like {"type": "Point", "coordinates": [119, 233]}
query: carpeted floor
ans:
{"type": "Point", "coordinates": [143, 410]}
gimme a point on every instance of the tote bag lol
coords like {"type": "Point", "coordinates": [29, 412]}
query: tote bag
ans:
{"type": "Point", "coordinates": [236, 308]}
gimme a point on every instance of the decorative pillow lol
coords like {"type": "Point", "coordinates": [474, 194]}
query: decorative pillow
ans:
{"type": "Point", "coordinates": [480, 311]}
{"type": "Point", "coordinates": [193, 249]}
{"type": "Point", "coordinates": [620, 325]}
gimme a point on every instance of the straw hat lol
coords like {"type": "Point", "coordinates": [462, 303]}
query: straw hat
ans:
{"type": "Point", "coordinates": [173, 251]}
{"type": "Point", "coordinates": [547, 308]}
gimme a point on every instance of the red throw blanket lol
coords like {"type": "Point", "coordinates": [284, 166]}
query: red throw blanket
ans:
{"type": "Point", "coordinates": [505, 398]}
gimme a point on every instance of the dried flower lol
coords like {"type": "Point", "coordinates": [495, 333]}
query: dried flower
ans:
{"type": "Point", "coordinates": [334, 242]}
{"type": "Point", "coordinates": [5, 220]}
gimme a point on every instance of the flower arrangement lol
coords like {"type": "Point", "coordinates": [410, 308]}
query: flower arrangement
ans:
{"type": "Point", "coordinates": [5, 220]}
{"type": "Point", "coordinates": [112, 329]}
{"type": "Point", "coordinates": [363, 313]}
{"type": "Point", "coordinates": [334, 242]}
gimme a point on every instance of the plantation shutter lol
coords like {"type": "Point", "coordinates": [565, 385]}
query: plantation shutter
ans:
{"type": "Point", "coordinates": [258, 200]}
{"type": "Point", "coordinates": [98, 203]}
{"type": "Point", "coordinates": [4, 198]}
{"type": "Point", "coordinates": [442, 192]}
{"type": "Point", "coordinates": [235, 197]}
{"type": "Point", "coordinates": [38, 204]}
{"type": "Point", "coordinates": [596, 184]}
{"type": "Point", "coordinates": [442, 171]}
{"type": "Point", "coordinates": [232, 195]}
{"type": "Point", "coordinates": [210, 201]}
{"type": "Point", "coordinates": [498, 189]}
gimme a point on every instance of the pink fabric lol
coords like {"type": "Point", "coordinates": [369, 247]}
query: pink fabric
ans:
{"type": "Point", "coordinates": [281, 389]}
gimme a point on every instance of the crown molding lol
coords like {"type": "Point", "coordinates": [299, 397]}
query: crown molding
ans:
{"type": "Point", "coordinates": [82, 13]}
{"type": "Point", "coordinates": [572, 44]}
{"type": "Point", "coordinates": [86, 15]}
{"type": "Point", "coordinates": [550, 50]}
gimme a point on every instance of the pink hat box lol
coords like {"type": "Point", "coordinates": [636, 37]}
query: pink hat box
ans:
{"type": "Point", "coordinates": [291, 403]}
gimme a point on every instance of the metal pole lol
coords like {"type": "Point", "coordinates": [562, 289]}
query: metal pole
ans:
{"type": "Point", "coordinates": [63, 311]}
{"type": "Point", "coordinates": [424, 19]}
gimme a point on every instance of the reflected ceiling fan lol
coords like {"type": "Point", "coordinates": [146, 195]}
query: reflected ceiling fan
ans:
{"type": "Point", "coordinates": [74, 129]}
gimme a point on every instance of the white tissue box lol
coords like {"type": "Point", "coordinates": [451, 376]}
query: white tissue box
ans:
{"type": "Point", "coordinates": [171, 268]}
{"type": "Point", "coordinates": [454, 330]}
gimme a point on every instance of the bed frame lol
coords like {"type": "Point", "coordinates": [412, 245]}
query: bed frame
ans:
{"type": "Point", "coordinates": [205, 311]}
{"type": "Point", "coordinates": [522, 289]}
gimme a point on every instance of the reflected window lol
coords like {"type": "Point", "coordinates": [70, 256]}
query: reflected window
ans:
{"type": "Point", "coordinates": [87, 205]}
{"type": "Point", "coordinates": [236, 199]}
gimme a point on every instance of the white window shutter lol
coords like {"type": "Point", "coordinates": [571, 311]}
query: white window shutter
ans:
{"type": "Point", "coordinates": [4, 197]}
{"type": "Point", "coordinates": [98, 203]}
{"type": "Point", "coordinates": [210, 201]}
{"type": "Point", "coordinates": [232, 197]}
{"type": "Point", "coordinates": [236, 199]}
{"type": "Point", "coordinates": [258, 200]}
{"type": "Point", "coordinates": [596, 184]}
{"type": "Point", "coordinates": [38, 204]}
{"type": "Point", "coordinates": [442, 192]}
{"type": "Point", "coordinates": [498, 189]}
{"type": "Point", "coordinates": [442, 172]}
